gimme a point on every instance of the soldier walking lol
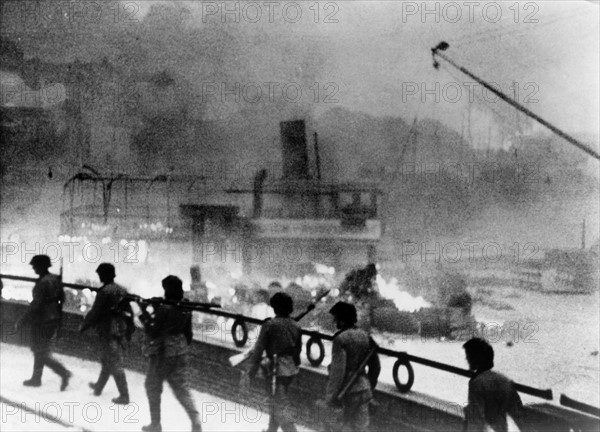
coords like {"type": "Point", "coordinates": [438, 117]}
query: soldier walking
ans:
{"type": "Point", "coordinates": [350, 348]}
{"type": "Point", "coordinates": [492, 396]}
{"type": "Point", "coordinates": [281, 338]}
{"type": "Point", "coordinates": [169, 333]}
{"type": "Point", "coordinates": [44, 317]}
{"type": "Point", "coordinates": [111, 328]}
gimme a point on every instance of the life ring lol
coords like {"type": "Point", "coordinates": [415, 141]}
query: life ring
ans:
{"type": "Point", "coordinates": [403, 361]}
{"type": "Point", "coordinates": [239, 342]}
{"type": "Point", "coordinates": [315, 340]}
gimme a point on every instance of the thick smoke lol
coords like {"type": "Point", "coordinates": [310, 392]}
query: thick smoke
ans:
{"type": "Point", "coordinates": [151, 98]}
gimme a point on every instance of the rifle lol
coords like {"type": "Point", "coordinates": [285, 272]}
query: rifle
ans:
{"type": "Point", "coordinates": [183, 304]}
{"type": "Point", "coordinates": [60, 278]}
{"type": "Point", "coordinates": [274, 375]}
{"type": "Point", "coordinates": [237, 359]}
{"type": "Point", "coordinates": [357, 372]}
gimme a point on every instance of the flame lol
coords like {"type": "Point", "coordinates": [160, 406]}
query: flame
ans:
{"type": "Point", "coordinates": [321, 278]}
{"type": "Point", "coordinates": [402, 299]}
{"type": "Point", "coordinates": [324, 270]}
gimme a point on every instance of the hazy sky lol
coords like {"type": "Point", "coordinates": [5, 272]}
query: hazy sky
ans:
{"type": "Point", "coordinates": [374, 56]}
{"type": "Point", "coordinates": [556, 57]}
{"type": "Point", "coordinates": [378, 54]}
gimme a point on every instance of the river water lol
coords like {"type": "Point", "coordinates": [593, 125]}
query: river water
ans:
{"type": "Point", "coordinates": [542, 340]}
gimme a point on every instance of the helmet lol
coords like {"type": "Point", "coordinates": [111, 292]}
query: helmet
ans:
{"type": "Point", "coordinates": [173, 288]}
{"type": "Point", "coordinates": [480, 353]}
{"type": "Point", "coordinates": [106, 269]}
{"type": "Point", "coordinates": [282, 303]}
{"type": "Point", "coordinates": [344, 311]}
{"type": "Point", "coordinates": [41, 260]}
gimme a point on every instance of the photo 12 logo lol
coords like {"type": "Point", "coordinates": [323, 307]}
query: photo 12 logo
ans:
{"type": "Point", "coordinates": [453, 92]}
{"type": "Point", "coordinates": [69, 412]}
{"type": "Point", "coordinates": [471, 172]}
{"type": "Point", "coordinates": [15, 93]}
{"type": "Point", "coordinates": [455, 252]}
{"type": "Point", "coordinates": [75, 249]}
{"type": "Point", "coordinates": [269, 91]}
{"type": "Point", "coordinates": [469, 12]}
{"type": "Point", "coordinates": [69, 16]}
{"type": "Point", "coordinates": [266, 252]}
{"type": "Point", "coordinates": [269, 12]}
{"type": "Point", "coordinates": [236, 173]}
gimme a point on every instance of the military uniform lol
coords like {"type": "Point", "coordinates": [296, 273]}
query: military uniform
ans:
{"type": "Point", "coordinates": [44, 317]}
{"type": "Point", "coordinates": [492, 397]}
{"type": "Point", "coordinates": [111, 331]}
{"type": "Point", "coordinates": [350, 348]}
{"type": "Point", "coordinates": [169, 333]}
{"type": "Point", "coordinates": [280, 336]}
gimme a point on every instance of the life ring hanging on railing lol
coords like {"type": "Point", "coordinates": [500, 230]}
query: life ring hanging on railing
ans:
{"type": "Point", "coordinates": [403, 361]}
{"type": "Point", "coordinates": [239, 342]}
{"type": "Point", "coordinates": [311, 341]}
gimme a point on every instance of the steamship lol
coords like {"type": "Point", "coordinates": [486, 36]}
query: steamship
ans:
{"type": "Point", "coordinates": [276, 224]}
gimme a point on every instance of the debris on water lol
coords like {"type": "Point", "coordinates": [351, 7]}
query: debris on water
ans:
{"type": "Point", "coordinates": [594, 353]}
{"type": "Point", "coordinates": [509, 343]}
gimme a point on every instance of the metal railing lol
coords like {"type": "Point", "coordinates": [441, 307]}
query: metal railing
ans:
{"type": "Point", "coordinates": [239, 333]}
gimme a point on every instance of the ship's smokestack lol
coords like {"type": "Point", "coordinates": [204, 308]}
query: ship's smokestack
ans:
{"type": "Point", "coordinates": [295, 156]}
{"type": "Point", "coordinates": [259, 179]}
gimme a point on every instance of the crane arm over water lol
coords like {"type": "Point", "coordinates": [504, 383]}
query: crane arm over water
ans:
{"type": "Point", "coordinates": [443, 46]}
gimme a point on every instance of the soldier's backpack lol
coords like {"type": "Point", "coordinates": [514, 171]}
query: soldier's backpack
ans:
{"type": "Point", "coordinates": [122, 321]}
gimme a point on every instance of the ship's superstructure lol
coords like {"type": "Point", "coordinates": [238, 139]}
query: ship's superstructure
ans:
{"type": "Point", "coordinates": [278, 225]}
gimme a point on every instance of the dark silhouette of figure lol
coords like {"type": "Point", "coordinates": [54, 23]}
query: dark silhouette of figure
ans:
{"type": "Point", "coordinates": [111, 327]}
{"type": "Point", "coordinates": [169, 333]}
{"type": "Point", "coordinates": [281, 338]}
{"type": "Point", "coordinates": [492, 396]}
{"type": "Point", "coordinates": [350, 348]}
{"type": "Point", "coordinates": [44, 318]}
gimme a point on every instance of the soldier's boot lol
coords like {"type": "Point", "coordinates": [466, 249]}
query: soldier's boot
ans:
{"type": "Point", "coordinates": [98, 386]}
{"type": "Point", "coordinates": [196, 426]}
{"type": "Point", "coordinates": [60, 370]}
{"type": "Point", "coordinates": [186, 399]}
{"type": "Point", "coordinates": [38, 369]}
{"type": "Point", "coordinates": [121, 382]}
{"type": "Point", "coordinates": [64, 383]}
{"type": "Point", "coordinates": [280, 416]}
{"type": "Point", "coordinates": [32, 382]}
{"type": "Point", "coordinates": [154, 403]}
{"type": "Point", "coordinates": [273, 424]}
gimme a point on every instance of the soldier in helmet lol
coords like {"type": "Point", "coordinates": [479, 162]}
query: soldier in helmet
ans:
{"type": "Point", "coordinates": [44, 316]}
{"type": "Point", "coordinates": [169, 333]}
{"type": "Point", "coordinates": [492, 396]}
{"type": "Point", "coordinates": [350, 347]}
{"type": "Point", "coordinates": [111, 328]}
{"type": "Point", "coordinates": [281, 338]}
